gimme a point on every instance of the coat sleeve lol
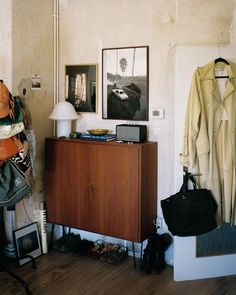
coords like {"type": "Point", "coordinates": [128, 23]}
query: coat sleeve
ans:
{"type": "Point", "coordinates": [188, 157]}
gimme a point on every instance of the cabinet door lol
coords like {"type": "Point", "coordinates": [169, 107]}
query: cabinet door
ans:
{"type": "Point", "coordinates": [114, 191]}
{"type": "Point", "coordinates": [66, 178]}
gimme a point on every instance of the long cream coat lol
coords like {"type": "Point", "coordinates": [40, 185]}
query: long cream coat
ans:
{"type": "Point", "coordinates": [201, 136]}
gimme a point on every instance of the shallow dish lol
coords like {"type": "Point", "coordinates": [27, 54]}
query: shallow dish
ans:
{"type": "Point", "coordinates": [98, 131]}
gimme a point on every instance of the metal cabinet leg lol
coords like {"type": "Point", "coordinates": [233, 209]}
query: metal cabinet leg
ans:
{"type": "Point", "coordinates": [141, 254]}
{"type": "Point", "coordinates": [51, 236]}
{"type": "Point", "coordinates": [135, 266]}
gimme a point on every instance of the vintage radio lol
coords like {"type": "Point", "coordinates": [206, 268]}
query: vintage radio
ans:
{"type": "Point", "coordinates": [131, 132]}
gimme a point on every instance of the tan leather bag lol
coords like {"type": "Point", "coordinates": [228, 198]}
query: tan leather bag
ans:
{"type": "Point", "coordinates": [9, 147]}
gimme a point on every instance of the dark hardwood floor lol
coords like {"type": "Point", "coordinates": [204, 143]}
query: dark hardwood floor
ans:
{"type": "Point", "coordinates": [67, 274]}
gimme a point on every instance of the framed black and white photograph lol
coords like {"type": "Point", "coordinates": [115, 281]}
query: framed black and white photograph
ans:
{"type": "Point", "coordinates": [36, 82]}
{"type": "Point", "coordinates": [27, 243]}
{"type": "Point", "coordinates": [81, 87]}
{"type": "Point", "coordinates": [125, 81]}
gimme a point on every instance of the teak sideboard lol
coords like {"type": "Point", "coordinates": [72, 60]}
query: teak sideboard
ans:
{"type": "Point", "coordinates": [102, 187]}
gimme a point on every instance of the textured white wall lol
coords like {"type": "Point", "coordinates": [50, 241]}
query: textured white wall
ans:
{"type": "Point", "coordinates": [32, 54]}
{"type": "Point", "coordinates": [88, 26]}
{"type": "Point", "coordinates": [6, 42]}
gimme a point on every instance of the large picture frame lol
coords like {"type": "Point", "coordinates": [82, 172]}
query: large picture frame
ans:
{"type": "Point", "coordinates": [27, 243]}
{"type": "Point", "coordinates": [125, 83]}
{"type": "Point", "coordinates": [81, 87]}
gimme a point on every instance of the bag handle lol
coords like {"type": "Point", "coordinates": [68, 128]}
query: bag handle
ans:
{"type": "Point", "coordinates": [187, 176]}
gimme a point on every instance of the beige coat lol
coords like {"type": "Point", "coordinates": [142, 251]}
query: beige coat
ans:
{"type": "Point", "coordinates": [201, 135]}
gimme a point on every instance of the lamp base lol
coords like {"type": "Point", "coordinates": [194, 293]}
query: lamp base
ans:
{"type": "Point", "coordinates": [63, 128]}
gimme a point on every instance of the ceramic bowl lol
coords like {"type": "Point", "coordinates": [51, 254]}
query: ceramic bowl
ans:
{"type": "Point", "coordinates": [98, 131]}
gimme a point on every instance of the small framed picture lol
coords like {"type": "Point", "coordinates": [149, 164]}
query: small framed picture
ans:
{"type": "Point", "coordinates": [125, 81]}
{"type": "Point", "coordinates": [81, 87]}
{"type": "Point", "coordinates": [36, 82]}
{"type": "Point", "coordinates": [27, 243]}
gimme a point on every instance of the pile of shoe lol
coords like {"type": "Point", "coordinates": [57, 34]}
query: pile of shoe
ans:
{"type": "Point", "coordinates": [108, 252]}
{"type": "Point", "coordinates": [73, 243]}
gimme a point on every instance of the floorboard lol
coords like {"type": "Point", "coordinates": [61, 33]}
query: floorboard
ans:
{"type": "Point", "coordinates": [68, 274]}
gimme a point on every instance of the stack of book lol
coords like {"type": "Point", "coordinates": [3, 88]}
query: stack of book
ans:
{"type": "Point", "coordinates": [105, 137]}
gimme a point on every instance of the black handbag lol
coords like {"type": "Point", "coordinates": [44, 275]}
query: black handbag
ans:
{"type": "Point", "coordinates": [13, 184]}
{"type": "Point", "coordinates": [190, 212]}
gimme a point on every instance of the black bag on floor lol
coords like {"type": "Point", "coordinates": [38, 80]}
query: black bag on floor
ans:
{"type": "Point", "coordinates": [190, 212]}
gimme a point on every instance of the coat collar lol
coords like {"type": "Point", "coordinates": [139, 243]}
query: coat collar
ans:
{"type": "Point", "coordinates": [207, 72]}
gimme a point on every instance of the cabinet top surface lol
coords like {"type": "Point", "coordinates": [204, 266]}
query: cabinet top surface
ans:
{"type": "Point", "coordinates": [84, 141]}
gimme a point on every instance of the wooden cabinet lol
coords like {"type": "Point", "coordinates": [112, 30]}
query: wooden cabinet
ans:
{"type": "Point", "coordinates": [102, 187]}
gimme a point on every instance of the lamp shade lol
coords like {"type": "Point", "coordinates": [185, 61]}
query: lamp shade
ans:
{"type": "Point", "coordinates": [63, 110]}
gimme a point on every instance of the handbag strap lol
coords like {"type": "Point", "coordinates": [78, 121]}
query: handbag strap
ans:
{"type": "Point", "coordinates": [187, 176]}
{"type": "Point", "coordinates": [193, 181]}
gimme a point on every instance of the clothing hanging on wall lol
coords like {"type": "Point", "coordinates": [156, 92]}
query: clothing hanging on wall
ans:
{"type": "Point", "coordinates": [15, 159]}
{"type": "Point", "coordinates": [209, 135]}
{"type": "Point", "coordinates": [13, 183]}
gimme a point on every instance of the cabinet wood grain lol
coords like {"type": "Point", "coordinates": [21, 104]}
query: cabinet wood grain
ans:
{"type": "Point", "coordinates": [102, 187]}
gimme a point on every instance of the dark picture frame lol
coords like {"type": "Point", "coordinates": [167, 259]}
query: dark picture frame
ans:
{"type": "Point", "coordinates": [27, 243]}
{"type": "Point", "coordinates": [81, 87]}
{"type": "Point", "coordinates": [125, 83]}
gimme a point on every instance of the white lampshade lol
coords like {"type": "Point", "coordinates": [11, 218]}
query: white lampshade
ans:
{"type": "Point", "coordinates": [63, 113]}
{"type": "Point", "coordinates": [63, 110]}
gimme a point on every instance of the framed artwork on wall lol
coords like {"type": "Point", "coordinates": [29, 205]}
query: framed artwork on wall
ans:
{"type": "Point", "coordinates": [81, 87]}
{"type": "Point", "coordinates": [36, 82]}
{"type": "Point", "coordinates": [125, 79]}
{"type": "Point", "coordinates": [27, 243]}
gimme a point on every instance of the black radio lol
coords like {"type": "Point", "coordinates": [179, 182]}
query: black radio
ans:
{"type": "Point", "coordinates": [132, 133]}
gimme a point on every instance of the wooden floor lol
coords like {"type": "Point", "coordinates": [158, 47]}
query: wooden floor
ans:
{"type": "Point", "coordinates": [67, 274]}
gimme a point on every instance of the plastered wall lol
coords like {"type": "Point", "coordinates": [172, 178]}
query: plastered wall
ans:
{"type": "Point", "coordinates": [85, 28]}
{"type": "Point", "coordinates": [6, 42]}
{"type": "Point", "coordinates": [88, 26]}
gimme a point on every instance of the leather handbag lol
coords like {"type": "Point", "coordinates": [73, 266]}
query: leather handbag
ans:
{"type": "Point", "coordinates": [190, 212]}
{"type": "Point", "coordinates": [9, 147]}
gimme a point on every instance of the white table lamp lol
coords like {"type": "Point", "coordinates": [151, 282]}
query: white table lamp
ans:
{"type": "Point", "coordinates": [63, 112]}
